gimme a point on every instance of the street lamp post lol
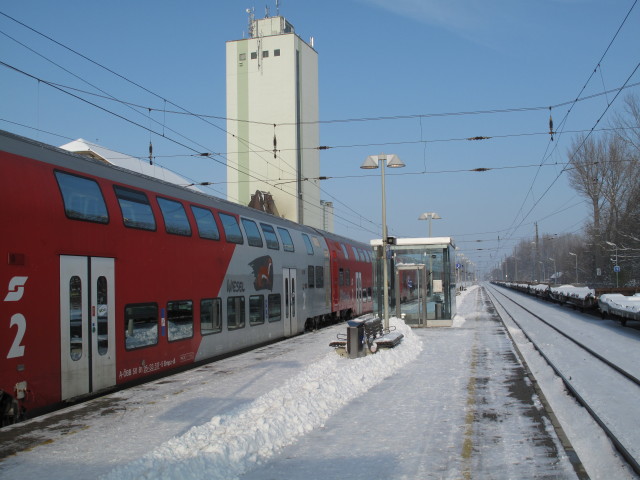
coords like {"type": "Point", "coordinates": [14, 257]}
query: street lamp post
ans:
{"type": "Point", "coordinates": [429, 216]}
{"type": "Point", "coordinates": [372, 162]}
{"type": "Point", "coordinates": [617, 269]}
{"type": "Point", "coordinates": [555, 271]}
{"type": "Point", "coordinates": [575, 255]}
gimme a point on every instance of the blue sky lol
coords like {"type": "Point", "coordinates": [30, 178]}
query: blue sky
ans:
{"type": "Point", "coordinates": [413, 60]}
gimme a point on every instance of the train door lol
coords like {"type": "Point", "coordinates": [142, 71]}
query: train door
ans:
{"type": "Point", "coordinates": [289, 288]}
{"type": "Point", "coordinates": [359, 293]}
{"type": "Point", "coordinates": [87, 321]}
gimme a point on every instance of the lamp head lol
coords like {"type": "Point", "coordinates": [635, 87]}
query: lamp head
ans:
{"type": "Point", "coordinates": [370, 163]}
{"type": "Point", "coordinates": [429, 216]}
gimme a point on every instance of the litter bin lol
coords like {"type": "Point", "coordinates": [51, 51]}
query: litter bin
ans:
{"type": "Point", "coordinates": [355, 339]}
{"type": "Point", "coordinates": [439, 310]}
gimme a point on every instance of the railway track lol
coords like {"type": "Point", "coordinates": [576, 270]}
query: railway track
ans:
{"type": "Point", "coordinates": [591, 375]}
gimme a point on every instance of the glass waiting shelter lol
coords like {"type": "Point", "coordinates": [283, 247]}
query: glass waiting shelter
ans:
{"type": "Point", "coordinates": [421, 280]}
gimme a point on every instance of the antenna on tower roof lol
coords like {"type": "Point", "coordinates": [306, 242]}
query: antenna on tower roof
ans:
{"type": "Point", "coordinates": [251, 22]}
{"type": "Point", "coordinates": [277, 8]}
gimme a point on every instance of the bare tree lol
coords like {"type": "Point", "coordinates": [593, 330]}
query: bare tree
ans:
{"type": "Point", "coordinates": [587, 173]}
{"type": "Point", "coordinates": [605, 171]}
{"type": "Point", "coordinates": [627, 123]}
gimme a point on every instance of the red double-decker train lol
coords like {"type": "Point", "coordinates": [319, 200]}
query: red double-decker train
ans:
{"type": "Point", "coordinates": [113, 277]}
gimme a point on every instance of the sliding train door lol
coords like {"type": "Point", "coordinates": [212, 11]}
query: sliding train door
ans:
{"type": "Point", "coordinates": [87, 324]}
{"type": "Point", "coordinates": [289, 310]}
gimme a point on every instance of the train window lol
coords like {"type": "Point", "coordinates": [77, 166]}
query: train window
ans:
{"type": "Point", "coordinates": [369, 294]}
{"type": "Point", "coordinates": [307, 243]}
{"type": "Point", "coordinates": [355, 253]}
{"type": "Point", "coordinates": [235, 313]}
{"type": "Point", "coordinates": [135, 207]}
{"type": "Point", "coordinates": [256, 309]}
{"type": "Point", "coordinates": [175, 218]}
{"type": "Point", "coordinates": [210, 316]}
{"type": "Point", "coordinates": [231, 228]}
{"type": "Point", "coordinates": [287, 242]}
{"type": "Point", "coordinates": [253, 234]}
{"type": "Point", "coordinates": [319, 277]}
{"type": "Point", "coordinates": [140, 325]}
{"type": "Point", "coordinates": [274, 307]}
{"type": "Point", "coordinates": [270, 236]}
{"type": "Point", "coordinates": [180, 320]}
{"type": "Point", "coordinates": [205, 222]}
{"type": "Point", "coordinates": [102, 314]}
{"type": "Point", "coordinates": [344, 251]}
{"type": "Point", "coordinates": [75, 318]}
{"type": "Point", "coordinates": [82, 198]}
{"type": "Point", "coordinates": [311, 274]}
{"type": "Point", "coordinates": [293, 297]}
{"type": "Point", "coordinates": [341, 277]}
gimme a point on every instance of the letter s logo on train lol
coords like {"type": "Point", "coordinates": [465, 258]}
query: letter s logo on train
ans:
{"type": "Point", "coordinates": [16, 289]}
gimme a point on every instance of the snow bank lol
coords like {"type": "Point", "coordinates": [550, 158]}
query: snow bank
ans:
{"type": "Point", "coordinates": [229, 445]}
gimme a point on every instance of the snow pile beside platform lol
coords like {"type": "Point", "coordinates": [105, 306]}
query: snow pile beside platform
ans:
{"type": "Point", "coordinates": [229, 445]}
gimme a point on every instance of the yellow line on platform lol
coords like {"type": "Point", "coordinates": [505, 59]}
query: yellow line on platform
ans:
{"type": "Point", "coordinates": [467, 444]}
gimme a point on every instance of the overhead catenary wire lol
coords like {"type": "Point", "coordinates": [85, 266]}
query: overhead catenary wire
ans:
{"type": "Point", "coordinates": [560, 129]}
{"type": "Point", "coordinates": [119, 76]}
{"type": "Point", "coordinates": [397, 117]}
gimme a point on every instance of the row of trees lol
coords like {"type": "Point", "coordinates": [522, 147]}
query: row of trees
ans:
{"type": "Point", "coordinates": [605, 170]}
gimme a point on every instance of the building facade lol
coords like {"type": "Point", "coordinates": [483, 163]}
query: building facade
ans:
{"type": "Point", "coordinates": [272, 111]}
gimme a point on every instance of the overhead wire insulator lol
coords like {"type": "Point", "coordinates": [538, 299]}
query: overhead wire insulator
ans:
{"type": "Point", "coordinates": [150, 153]}
{"type": "Point", "coordinates": [275, 142]}
{"type": "Point", "coordinates": [550, 124]}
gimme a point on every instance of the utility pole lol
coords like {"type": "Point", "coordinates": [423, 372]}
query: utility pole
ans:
{"type": "Point", "coordinates": [536, 224]}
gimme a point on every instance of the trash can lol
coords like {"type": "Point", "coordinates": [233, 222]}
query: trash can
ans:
{"type": "Point", "coordinates": [355, 339]}
{"type": "Point", "coordinates": [439, 310]}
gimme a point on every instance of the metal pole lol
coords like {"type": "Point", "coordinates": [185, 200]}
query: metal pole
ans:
{"type": "Point", "coordinates": [385, 274]}
{"type": "Point", "coordinates": [616, 268]}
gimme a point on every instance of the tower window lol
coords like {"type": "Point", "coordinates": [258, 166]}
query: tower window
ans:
{"type": "Point", "coordinates": [254, 55]}
{"type": "Point", "coordinates": [265, 53]}
{"type": "Point", "coordinates": [276, 52]}
{"type": "Point", "coordinates": [242, 57]}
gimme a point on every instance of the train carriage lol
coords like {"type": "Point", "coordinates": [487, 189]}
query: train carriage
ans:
{"type": "Point", "coordinates": [113, 276]}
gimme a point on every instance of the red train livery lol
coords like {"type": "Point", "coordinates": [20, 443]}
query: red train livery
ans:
{"type": "Point", "coordinates": [113, 277]}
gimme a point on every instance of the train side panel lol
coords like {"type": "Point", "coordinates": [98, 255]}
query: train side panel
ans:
{"type": "Point", "coordinates": [111, 276]}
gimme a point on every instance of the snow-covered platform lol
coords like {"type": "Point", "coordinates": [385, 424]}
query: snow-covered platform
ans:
{"type": "Point", "coordinates": [445, 403]}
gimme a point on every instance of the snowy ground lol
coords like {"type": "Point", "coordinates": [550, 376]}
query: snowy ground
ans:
{"type": "Point", "coordinates": [446, 403]}
{"type": "Point", "coordinates": [608, 338]}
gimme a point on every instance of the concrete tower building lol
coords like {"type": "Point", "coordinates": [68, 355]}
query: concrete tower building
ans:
{"type": "Point", "coordinates": [272, 106]}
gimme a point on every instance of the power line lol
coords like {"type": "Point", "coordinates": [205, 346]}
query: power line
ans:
{"type": "Point", "coordinates": [563, 122]}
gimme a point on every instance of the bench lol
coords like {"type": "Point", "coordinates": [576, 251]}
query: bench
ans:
{"type": "Point", "coordinates": [375, 336]}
